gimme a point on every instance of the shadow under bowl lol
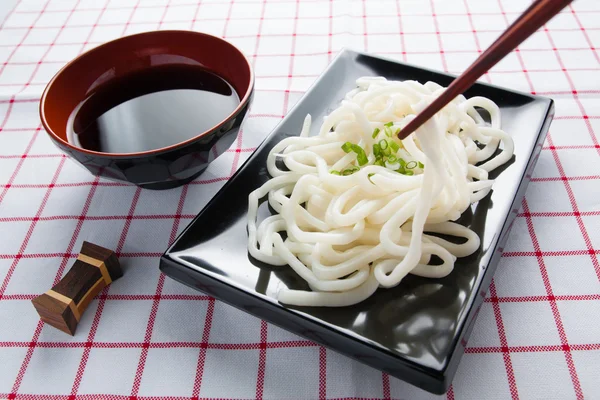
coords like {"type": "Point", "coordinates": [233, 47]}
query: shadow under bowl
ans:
{"type": "Point", "coordinates": [165, 167]}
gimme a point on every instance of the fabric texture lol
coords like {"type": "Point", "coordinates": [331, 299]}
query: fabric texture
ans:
{"type": "Point", "coordinates": [537, 335]}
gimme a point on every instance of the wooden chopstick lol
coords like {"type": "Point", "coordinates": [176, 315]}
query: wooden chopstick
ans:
{"type": "Point", "coordinates": [540, 12]}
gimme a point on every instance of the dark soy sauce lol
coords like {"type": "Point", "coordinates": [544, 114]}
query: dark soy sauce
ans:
{"type": "Point", "coordinates": [152, 108]}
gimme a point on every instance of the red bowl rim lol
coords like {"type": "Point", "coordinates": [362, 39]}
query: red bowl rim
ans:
{"type": "Point", "coordinates": [56, 137]}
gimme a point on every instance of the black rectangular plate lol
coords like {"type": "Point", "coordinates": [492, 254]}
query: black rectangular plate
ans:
{"type": "Point", "coordinates": [416, 331]}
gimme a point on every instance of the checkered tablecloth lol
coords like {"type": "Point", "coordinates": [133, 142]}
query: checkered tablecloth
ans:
{"type": "Point", "coordinates": [537, 335]}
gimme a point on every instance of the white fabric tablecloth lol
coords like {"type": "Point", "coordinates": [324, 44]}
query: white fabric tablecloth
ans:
{"type": "Point", "coordinates": [537, 335]}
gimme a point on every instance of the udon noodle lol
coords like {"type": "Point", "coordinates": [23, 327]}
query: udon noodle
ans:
{"type": "Point", "coordinates": [358, 209]}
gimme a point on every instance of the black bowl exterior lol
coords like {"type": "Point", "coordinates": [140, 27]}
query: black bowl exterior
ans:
{"type": "Point", "coordinates": [416, 331]}
{"type": "Point", "coordinates": [161, 168]}
{"type": "Point", "coordinates": [168, 168]}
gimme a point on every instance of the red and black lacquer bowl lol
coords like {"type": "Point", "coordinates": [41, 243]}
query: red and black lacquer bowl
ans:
{"type": "Point", "coordinates": [162, 168]}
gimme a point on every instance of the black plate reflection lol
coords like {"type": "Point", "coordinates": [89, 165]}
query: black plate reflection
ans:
{"type": "Point", "coordinates": [415, 331]}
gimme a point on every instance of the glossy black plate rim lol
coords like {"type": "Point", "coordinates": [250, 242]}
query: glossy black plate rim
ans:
{"type": "Point", "coordinates": [433, 380]}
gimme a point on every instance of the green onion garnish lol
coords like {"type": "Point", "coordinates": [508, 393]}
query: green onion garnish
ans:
{"type": "Point", "coordinates": [392, 159]}
{"type": "Point", "coordinates": [409, 173]}
{"type": "Point", "coordinates": [388, 131]}
{"type": "Point", "coordinates": [334, 172]}
{"type": "Point", "coordinates": [383, 144]}
{"type": "Point", "coordinates": [369, 177]}
{"type": "Point", "coordinates": [420, 164]}
{"type": "Point", "coordinates": [393, 145]}
{"type": "Point", "coordinates": [411, 165]}
{"type": "Point", "coordinates": [347, 147]}
{"type": "Point", "coordinates": [387, 151]}
{"type": "Point", "coordinates": [389, 123]}
{"type": "Point", "coordinates": [375, 133]}
{"type": "Point", "coordinates": [379, 162]}
{"type": "Point", "coordinates": [402, 162]}
{"type": "Point", "coordinates": [361, 156]}
{"type": "Point", "coordinates": [377, 150]}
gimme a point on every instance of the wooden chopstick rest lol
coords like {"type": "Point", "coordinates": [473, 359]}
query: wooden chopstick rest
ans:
{"type": "Point", "coordinates": [63, 305]}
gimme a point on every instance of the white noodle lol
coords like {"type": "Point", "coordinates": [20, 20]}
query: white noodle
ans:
{"type": "Point", "coordinates": [347, 235]}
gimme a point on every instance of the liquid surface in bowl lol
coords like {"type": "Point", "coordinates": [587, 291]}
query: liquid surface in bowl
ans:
{"type": "Point", "coordinates": [151, 109]}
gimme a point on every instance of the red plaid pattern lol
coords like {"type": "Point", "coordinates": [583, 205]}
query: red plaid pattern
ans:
{"type": "Point", "coordinates": [537, 334]}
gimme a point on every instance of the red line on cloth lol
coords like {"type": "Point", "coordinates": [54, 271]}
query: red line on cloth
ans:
{"type": "Point", "coordinates": [517, 51]}
{"type": "Point", "coordinates": [523, 299]}
{"type": "Point", "coordinates": [474, 31]}
{"type": "Point", "coordinates": [191, 3]}
{"type": "Point", "coordinates": [143, 356]}
{"type": "Point", "coordinates": [102, 301]}
{"type": "Point", "coordinates": [96, 320]}
{"type": "Point", "coordinates": [99, 218]}
{"type": "Point", "coordinates": [262, 360]}
{"type": "Point", "coordinates": [559, 214]}
{"type": "Point", "coordinates": [280, 345]}
{"type": "Point", "coordinates": [385, 381]}
{"type": "Point", "coordinates": [532, 349]}
{"type": "Point", "coordinates": [155, 304]}
{"type": "Point", "coordinates": [559, 253]}
{"type": "Point", "coordinates": [210, 311]}
{"type": "Point", "coordinates": [510, 373]}
{"type": "Point", "coordinates": [450, 393]}
{"type": "Point", "coordinates": [20, 163]}
{"type": "Point", "coordinates": [227, 19]}
{"type": "Point", "coordinates": [164, 14]}
{"type": "Point", "coordinates": [259, 34]}
{"type": "Point", "coordinates": [555, 312]}
{"type": "Point", "coordinates": [584, 31]}
{"type": "Point", "coordinates": [40, 324]}
{"type": "Point", "coordinates": [330, 39]}
{"type": "Point", "coordinates": [322, 373]}
{"type": "Point", "coordinates": [306, 34]}
{"type": "Point", "coordinates": [29, 29]}
{"type": "Point", "coordinates": [165, 345]}
{"type": "Point", "coordinates": [364, 20]}
{"type": "Point", "coordinates": [31, 228]}
{"type": "Point", "coordinates": [438, 36]}
{"type": "Point", "coordinates": [70, 255]}
{"type": "Point", "coordinates": [10, 13]}
{"type": "Point", "coordinates": [52, 44]}
{"type": "Point", "coordinates": [576, 212]}
{"type": "Point", "coordinates": [401, 30]}
{"type": "Point", "coordinates": [166, 297]}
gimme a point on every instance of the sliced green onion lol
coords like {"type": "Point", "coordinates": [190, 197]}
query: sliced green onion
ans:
{"type": "Point", "coordinates": [409, 173]}
{"type": "Point", "coordinates": [411, 165]}
{"type": "Point", "coordinates": [389, 123]}
{"type": "Point", "coordinates": [383, 144]}
{"type": "Point", "coordinates": [401, 170]}
{"type": "Point", "coordinates": [369, 177]}
{"type": "Point", "coordinates": [420, 164]}
{"type": "Point", "coordinates": [402, 162]}
{"type": "Point", "coordinates": [377, 150]}
{"type": "Point", "coordinates": [348, 171]}
{"type": "Point", "coordinates": [388, 132]}
{"type": "Point", "coordinates": [393, 145]}
{"type": "Point", "coordinates": [397, 132]}
{"type": "Point", "coordinates": [392, 158]}
{"type": "Point", "coordinates": [387, 151]}
{"type": "Point", "coordinates": [379, 162]}
{"type": "Point", "coordinates": [375, 133]}
{"type": "Point", "coordinates": [361, 156]}
{"type": "Point", "coordinates": [334, 172]}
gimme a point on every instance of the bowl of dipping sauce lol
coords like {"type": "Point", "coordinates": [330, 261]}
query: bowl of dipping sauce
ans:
{"type": "Point", "coordinates": [152, 109]}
